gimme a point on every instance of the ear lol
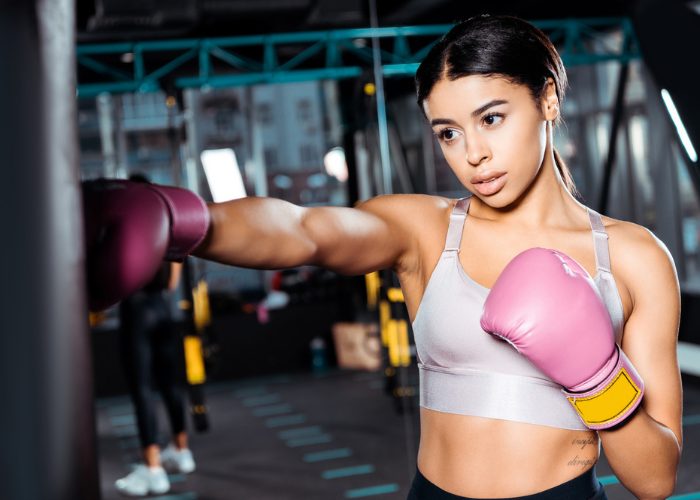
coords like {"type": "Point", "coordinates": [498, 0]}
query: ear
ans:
{"type": "Point", "coordinates": [550, 101]}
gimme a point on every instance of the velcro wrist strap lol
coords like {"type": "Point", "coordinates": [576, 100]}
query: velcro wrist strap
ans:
{"type": "Point", "coordinates": [613, 400]}
{"type": "Point", "coordinates": [189, 220]}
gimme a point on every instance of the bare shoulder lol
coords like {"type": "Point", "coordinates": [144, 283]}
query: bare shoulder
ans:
{"type": "Point", "coordinates": [407, 210]}
{"type": "Point", "coordinates": [640, 258]}
{"type": "Point", "coordinates": [415, 201]}
{"type": "Point", "coordinates": [414, 217]}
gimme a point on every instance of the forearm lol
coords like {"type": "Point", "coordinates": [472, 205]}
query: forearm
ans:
{"type": "Point", "coordinates": [644, 456]}
{"type": "Point", "coordinates": [256, 232]}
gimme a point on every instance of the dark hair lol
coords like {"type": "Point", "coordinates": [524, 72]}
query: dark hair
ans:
{"type": "Point", "coordinates": [139, 177]}
{"type": "Point", "coordinates": [504, 46]}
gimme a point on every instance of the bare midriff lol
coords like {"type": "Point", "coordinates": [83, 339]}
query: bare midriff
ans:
{"type": "Point", "coordinates": [490, 458]}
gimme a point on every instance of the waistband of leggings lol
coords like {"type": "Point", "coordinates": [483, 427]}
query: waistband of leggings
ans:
{"type": "Point", "coordinates": [581, 487]}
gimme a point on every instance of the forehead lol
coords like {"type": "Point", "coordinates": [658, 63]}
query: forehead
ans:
{"type": "Point", "coordinates": [467, 93]}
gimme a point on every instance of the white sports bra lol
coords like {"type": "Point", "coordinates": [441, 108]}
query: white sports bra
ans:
{"type": "Point", "coordinates": [465, 370]}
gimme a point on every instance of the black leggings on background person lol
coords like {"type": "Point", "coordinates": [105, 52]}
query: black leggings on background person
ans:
{"type": "Point", "coordinates": [152, 351]}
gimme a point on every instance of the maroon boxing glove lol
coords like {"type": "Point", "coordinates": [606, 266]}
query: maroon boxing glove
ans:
{"type": "Point", "coordinates": [130, 228]}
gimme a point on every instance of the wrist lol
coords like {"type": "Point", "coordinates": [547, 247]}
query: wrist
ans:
{"type": "Point", "coordinates": [189, 220]}
{"type": "Point", "coordinates": [613, 399]}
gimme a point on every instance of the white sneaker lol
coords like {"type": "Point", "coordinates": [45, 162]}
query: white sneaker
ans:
{"type": "Point", "coordinates": [175, 460]}
{"type": "Point", "coordinates": [142, 481]}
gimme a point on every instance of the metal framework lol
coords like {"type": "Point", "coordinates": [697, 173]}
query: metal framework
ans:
{"type": "Point", "coordinates": [336, 54]}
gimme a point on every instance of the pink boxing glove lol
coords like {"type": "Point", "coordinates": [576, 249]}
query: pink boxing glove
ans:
{"type": "Point", "coordinates": [548, 307]}
{"type": "Point", "coordinates": [130, 228]}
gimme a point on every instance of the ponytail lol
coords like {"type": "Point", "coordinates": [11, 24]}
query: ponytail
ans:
{"type": "Point", "coordinates": [565, 174]}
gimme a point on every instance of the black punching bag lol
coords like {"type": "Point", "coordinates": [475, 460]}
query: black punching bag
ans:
{"type": "Point", "coordinates": [47, 450]}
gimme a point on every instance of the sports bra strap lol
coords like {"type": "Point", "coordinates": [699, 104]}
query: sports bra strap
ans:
{"type": "Point", "coordinates": [455, 229]}
{"type": "Point", "coordinates": [600, 235]}
{"type": "Point", "coordinates": [600, 241]}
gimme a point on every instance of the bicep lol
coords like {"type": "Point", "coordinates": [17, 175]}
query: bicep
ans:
{"type": "Point", "coordinates": [651, 336]}
{"type": "Point", "coordinates": [358, 240]}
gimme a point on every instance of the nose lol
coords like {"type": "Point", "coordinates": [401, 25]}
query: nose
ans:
{"type": "Point", "coordinates": [477, 151]}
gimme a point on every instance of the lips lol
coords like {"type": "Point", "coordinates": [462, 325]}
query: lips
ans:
{"type": "Point", "coordinates": [486, 176]}
{"type": "Point", "coordinates": [488, 183]}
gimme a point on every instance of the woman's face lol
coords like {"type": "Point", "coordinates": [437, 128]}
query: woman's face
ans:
{"type": "Point", "coordinates": [492, 134]}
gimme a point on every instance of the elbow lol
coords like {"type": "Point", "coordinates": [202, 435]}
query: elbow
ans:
{"type": "Point", "coordinates": [661, 490]}
{"type": "Point", "coordinates": [668, 488]}
{"type": "Point", "coordinates": [664, 482]}
{"type": "Point", "coordinates": [316, 244]}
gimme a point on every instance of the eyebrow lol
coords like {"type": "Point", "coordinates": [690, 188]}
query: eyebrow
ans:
{"type": "Point", "coordinates": [476, 112]}
{"type": "Point", "coordinates": [488, 105]}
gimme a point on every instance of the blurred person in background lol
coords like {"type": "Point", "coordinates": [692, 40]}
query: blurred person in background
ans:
{"type": "Point", "coordinates": [152, 352]}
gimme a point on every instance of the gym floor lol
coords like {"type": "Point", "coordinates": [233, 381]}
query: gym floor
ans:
{"type": "Point", "coordinates": [315, 437]}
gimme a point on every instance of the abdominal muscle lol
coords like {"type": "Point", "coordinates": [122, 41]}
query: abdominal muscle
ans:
{"type": "Point", "coordinates": [489, 458]}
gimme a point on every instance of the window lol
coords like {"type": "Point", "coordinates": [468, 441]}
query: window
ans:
{"type": "Point", "coordinates": [264, 112]}
{"type": "Point", "coordinates": [304, 110]}
{"type": "Point", "coordinates": [307, 154]}
{"type": "Point", "coordinates": [270, 157]}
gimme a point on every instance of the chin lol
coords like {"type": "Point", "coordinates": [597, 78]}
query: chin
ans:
{"type": "Point", "coordinates": [502, 199]}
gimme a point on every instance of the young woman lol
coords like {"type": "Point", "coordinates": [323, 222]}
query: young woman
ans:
{"type": "Point", "coordinates": [492, 424]}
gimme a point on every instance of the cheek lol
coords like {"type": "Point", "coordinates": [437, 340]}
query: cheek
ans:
{"type": "Point", "coordinates": [456, 160]}
{"type": "Point", "coordinates": [526, 146]}
{"type": "Point", "coordinates": [453, 157]}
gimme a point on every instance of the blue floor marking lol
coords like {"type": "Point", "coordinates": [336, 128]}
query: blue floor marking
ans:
{"type": "Point", "coordinates": [372, 490]}
{"type": "Point", "coordinates": [266, 411]}
{"type": "Point", "coordinates": [286, 420]}
{"type": "Point", "coordinates": [309, 440]}
{"type": "Point", "coordinates": [219, 387]}
{"type": "Point", "coordinates": [348, 471]}
{"type": "Point", "coordinates": [117, 420]}
{"type": "Point", "coordinates": [605, 480]}
{"type": "Point", "coordinates": [686, 496]}
{"type": "Point", "coordinates": [280, 379]}
{"type": "Point", "coordinates": [189, 495]}
{"type": "Point", "coordinates": [691, 420]}
{"type": "Point", "coordinates": [261, 400]}
{"type": "Point", "coordinates": [122, 409]}
{"type": "Point", "coordinates": [300, 432]}
{"type": "Point", "coordinates": [106, 403]}
{"type": "Point", "coordinates": [177, 478]}
{"type": "Point", "coordinates": [250, 391]}
{"type": "Point", "coordinates": [320, 456]}
{"type": "Point", "coordinates": [125, 431]}
{"type": "Point", "coordinates": [129, 443]}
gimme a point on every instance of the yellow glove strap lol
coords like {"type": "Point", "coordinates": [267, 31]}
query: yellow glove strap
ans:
{"type": "Point", "coordinates": [610, 405]}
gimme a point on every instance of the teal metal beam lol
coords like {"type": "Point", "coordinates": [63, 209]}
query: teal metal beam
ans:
{"type": "Point", "coordinates": [237, 80]}
{"type": "Point", "coordinates": [234, 60]}
{"type": "Point", "coordinates": [339, 54]}
{"type": "Point", "coordinates": [103, 69]}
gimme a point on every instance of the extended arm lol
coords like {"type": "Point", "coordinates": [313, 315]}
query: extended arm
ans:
{"type": "Point", "coordinates": [131, 227]}
{"type": "Point", "coordinates": [268, 233]}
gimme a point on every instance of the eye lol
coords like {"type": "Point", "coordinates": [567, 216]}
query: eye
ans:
{"type": "Point", "coordinates": [447, 135]}
{"type": "Point", "coordinates": [492, 119]}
